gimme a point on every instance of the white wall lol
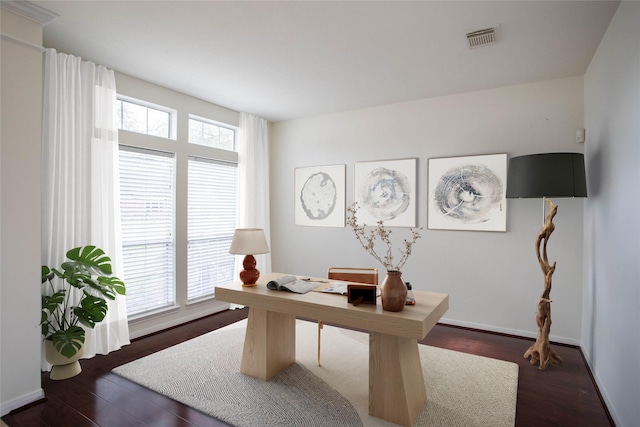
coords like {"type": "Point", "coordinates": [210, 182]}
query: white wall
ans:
{"type": "Point", "coordinates": [494, 279]}
{"type": "Point", "coordinates": [611, 326]}
{"type": "Point", "coordinates": [21, 112]}
{"type": "Point", "coordinates": [185, 105]}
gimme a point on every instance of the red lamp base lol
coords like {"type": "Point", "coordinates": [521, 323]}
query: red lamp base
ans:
{"type": "Point", "coordinates": [249, 276]}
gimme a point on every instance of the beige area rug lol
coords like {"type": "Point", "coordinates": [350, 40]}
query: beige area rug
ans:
{"type": "Point", "coordinates": [462, 389]}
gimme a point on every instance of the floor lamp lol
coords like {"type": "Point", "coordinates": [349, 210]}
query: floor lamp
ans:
{"type": "Point", "coordinates": [543, 176]}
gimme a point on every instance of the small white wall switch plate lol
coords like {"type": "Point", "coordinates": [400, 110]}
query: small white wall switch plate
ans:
{"type": "Point", "coordinates": [580, 135]}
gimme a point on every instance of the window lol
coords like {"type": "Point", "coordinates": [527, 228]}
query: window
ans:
{"type": "Point", "coordinates": [211, 134]}
{"type": "Point", "coordinates": [211, 223]}
{"type": "Point", "coordinates": [178, 207]}
{"type": "Point", "coordinates": [142, 117]}
{"type": "Point", "coordinates": [147, 201]}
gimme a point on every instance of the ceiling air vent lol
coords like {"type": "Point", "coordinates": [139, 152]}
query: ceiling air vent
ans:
{"type": "Point", "coordinates": [483, 37]}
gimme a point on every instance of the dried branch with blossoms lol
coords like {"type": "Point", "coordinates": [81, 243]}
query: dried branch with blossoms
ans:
{"type": "Point", "coordinates": [368, 237]}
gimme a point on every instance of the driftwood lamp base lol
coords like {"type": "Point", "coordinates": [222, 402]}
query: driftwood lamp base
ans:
{"type": "Point", "coordinates": [541, 352]}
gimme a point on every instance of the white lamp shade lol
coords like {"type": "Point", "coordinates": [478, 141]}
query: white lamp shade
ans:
{"type": "Point", "coordinates": [249, 241]}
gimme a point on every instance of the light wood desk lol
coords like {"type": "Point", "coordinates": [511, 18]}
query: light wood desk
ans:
{"type": "Point", "coordinates": [396, 383]}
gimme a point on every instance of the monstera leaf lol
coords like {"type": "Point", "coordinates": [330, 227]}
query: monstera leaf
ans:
{"type": "Point", "coordinates": [68, 342]}
{"type": "Point", "coordinates": [92, 310]}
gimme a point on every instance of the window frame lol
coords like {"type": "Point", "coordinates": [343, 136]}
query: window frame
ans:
{"type": "Point", "coordinates": [218, 124]}
{"type": "Point", "coordinates": [173, 113]}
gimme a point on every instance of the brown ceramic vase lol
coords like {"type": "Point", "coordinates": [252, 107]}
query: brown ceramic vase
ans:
{"type": "Point", "coordinates": [393, 291]}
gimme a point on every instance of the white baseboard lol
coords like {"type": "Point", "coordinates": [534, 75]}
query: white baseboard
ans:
{"type": "Point", "coordinates": [18, 402]}
{"type": "Point", "coordinates": [516, 332]}
{"type": "Point", "coordinates": [601, 389]}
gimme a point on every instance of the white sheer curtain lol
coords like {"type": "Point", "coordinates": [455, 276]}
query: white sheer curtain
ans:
{"type": "Point", "coordinates": [80, 178]}
{"type": "Point", "coordinates": [253, 182]}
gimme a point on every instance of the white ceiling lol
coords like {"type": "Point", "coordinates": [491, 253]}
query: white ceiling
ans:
{"type": "Point", "coordinates": [290, 59]}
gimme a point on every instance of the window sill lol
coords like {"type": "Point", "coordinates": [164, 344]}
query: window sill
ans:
{"type": "Point", "coordinates": [152, 314]}
{"type": "Point", "coordinates": [201, 300]}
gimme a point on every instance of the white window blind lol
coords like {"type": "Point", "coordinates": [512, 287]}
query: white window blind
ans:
{"type": "Point", "coordinates": [147, 206]}
{"type": "Point", "coordinates": [211, 223]}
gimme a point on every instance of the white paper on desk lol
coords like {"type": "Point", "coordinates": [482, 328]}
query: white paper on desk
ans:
{"type": "Point", "coordinates": [336, 287]}
{"type": "Point", "coordinates": [293, 284]}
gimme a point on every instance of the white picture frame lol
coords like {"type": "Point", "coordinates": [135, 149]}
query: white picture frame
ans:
{"type": "Point", "coordinates": [319, 196]}
{"type": "Point", "coordinates": [467, 193]}
{"type": "Point", "coordinates": [386, 191]}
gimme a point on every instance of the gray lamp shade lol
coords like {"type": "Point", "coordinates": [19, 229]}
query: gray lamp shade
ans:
{"type": "Point", "coordinates": [249, 241]}
{"type": "Point", "coordinates": [546, 175]}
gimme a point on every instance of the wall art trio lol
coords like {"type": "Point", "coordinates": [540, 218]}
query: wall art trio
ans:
{"type": "Point", "coordinates": [463, 193]}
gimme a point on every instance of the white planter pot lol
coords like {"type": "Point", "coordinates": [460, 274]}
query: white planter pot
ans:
{"type": "Point", "coordinates": [63, 366]}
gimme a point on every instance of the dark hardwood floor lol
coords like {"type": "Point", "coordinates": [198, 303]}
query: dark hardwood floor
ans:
{"type": "Point", "coordinates": [559, 396]}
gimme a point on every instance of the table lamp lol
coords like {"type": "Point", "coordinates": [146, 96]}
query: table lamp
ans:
{"type": "Point", "coordinates": [249, 241]}
{"type": "Point", "coordinates": [543, 176]}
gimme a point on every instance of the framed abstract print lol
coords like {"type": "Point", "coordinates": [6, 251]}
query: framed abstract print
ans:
{"type": "Point", "coordinates": [319, 196]}
{"type": "Point", "coordinates": [386, 191]}
{"type": "Point", "coordinates": [467, 193]}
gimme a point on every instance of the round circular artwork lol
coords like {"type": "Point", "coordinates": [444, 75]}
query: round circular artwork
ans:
{"type": "Point", "coordinates": [385, 193]}
{"type": "Point", "coordinates": [468, 193]}
{"type": "Point", "coordinates": [318, 196]}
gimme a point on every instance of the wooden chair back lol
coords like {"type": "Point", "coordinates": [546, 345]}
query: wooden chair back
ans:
{"type": "Point", "coordinates": [357, 275]}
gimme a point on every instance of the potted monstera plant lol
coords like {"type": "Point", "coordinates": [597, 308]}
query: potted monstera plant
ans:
{"type": "Point", "coordinates": [75, 294]}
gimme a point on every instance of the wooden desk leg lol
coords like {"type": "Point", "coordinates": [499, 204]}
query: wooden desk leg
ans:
{"type": "Point", "coordinates": [396, 383]}
{"type": "Point", "coordinates": [269, 343]}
